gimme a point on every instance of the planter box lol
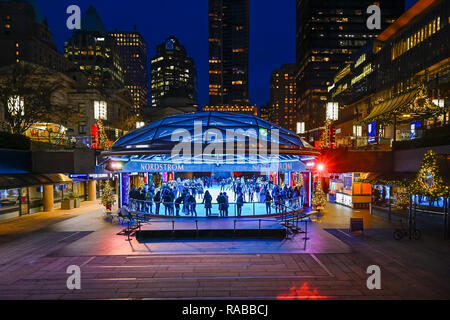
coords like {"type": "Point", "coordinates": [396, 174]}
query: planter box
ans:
{"type": "Point", "coordinates": [77, 203]}
{"type": "Point", "coordinates": [67, 204]}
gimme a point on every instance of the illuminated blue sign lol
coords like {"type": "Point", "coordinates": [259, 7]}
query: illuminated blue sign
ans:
{"type": "Point", "coordinates": [413, 129]}
{"type": "Point", "coordinates": [372, 132]}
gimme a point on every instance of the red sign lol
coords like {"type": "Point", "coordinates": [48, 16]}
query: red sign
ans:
{"type": "Point", "coordinates": [94, 136]}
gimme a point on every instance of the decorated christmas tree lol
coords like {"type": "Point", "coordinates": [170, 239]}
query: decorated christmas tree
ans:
{"type": "Point", "coordinates": [103, 140]}
{"type": "Point", "coordinates": [300, 181]}
{"type": "Point", "coordinates": [325, 139]}
{"type": "Point", "coordinates": [429, 181]}
{"type": "Point", "coordinates": [319, 199]}
{"type": "Point", "coordinates": [108, 196]}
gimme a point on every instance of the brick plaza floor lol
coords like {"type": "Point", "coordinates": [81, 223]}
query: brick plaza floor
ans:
{"type": "Point", "coordinates": [34, 259]}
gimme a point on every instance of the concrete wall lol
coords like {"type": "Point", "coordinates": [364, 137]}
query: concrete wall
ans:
{"type": "Point", "coordinates": [338, 161]}
{"type": "Point", "coordinates": [410, 160]}
{"type": "Point", "coordinates": [78, 161]}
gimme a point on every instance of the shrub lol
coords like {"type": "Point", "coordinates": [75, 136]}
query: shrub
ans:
{"type": "Point", "coordinates": [14, 141]}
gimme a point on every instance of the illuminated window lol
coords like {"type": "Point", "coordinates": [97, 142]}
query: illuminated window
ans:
{"type": "Point", "coordinates": [332, 111]}
{"type": "Point", "coordinates": [16, 106]}
{"type": "Point", "coordinates": [357, 131]}
{"type": "Point", "coordinates": [140, 124]}
{"type": "Point", "coordinates": [100, 110]}
{"type": "Point", "coordinates": [300, 127]}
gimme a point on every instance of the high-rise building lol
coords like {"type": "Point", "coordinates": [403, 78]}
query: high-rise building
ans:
{"type": "Point", "coordinates": [229, 31]}
{"type": "Point", "coordinates": [173, 76]}
{"type": "Point", "coordinates": [283, 96]}
{"type": "Point", "coordinates": [95, 52]}
{"type": "Point", "coordinates": [378, 92]}
{"type": "Point", "coordinates": [132, 49]}
{"type": "Point", "coordinates": [25, 36]}
{"type": "Point", "coordinates": [265, 111]}
{"type": "Point", "coordinates": [328, 34]}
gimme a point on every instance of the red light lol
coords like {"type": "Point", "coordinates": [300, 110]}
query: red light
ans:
{"type": "Point", "coordinates": [320, 167]}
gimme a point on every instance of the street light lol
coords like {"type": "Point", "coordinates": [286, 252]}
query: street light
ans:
{"type": "Point", "coordinates": [114, 165]}
{"type": "Point", "coordinates": [320, 167]}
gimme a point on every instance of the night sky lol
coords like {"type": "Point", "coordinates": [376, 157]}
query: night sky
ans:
{"type": "Point", "coordinates": [272, 32]}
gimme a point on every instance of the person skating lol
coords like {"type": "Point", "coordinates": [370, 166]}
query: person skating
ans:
{"type": "Point", "coordinates": [207, 200]}
{"type": "Point", "coordinates": [192, 205]}
{"type": "Point", "coordinates": [268, 200]}
{"type": "Point", "coordinates": [178, 202]}
{"type": "Point", "coordinates": [239, 204]}
{"type": "Point", "coordinates": [157, 200]}
{"type": "Point", "coordinates": [221, 202]}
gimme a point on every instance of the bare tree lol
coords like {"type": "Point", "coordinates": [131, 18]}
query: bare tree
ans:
{"type": "Point", "coordinates": [27, 97]}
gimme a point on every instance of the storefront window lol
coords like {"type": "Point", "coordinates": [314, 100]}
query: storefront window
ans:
{"type": "Point", "coordinates": [79, 188]}
{"type": "Point", "coordinates": [24, 206]}
{"type": "Point", "coordinates": [67, 189]}
{"type": "Point", "coordinates": [36, 196]}
{"type": "Point", "coordinates": [348, 183]}
{"type": "Point", "coordinates": [58, 195]}
{"type": "Point", "coordinates": [9, 201]}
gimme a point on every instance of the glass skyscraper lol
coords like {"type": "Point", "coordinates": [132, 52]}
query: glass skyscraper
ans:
{"type": "Point", "coordinates": [228, 52]}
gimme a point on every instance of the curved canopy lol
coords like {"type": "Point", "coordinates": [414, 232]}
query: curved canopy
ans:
{"type": "Point", "coordinates": [210, 127]}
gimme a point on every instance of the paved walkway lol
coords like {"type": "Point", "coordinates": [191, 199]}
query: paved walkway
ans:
{"type": "Point", "coordinates": [17, 227]}
{"type": "Point", "coordinates": [33, 264]}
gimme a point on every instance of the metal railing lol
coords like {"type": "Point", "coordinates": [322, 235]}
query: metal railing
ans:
{"type": "Point", "coordinates": [363, 141]}
{"type": "Point", "coordinates": [232, 209]}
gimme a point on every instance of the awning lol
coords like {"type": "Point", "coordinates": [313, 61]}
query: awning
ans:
{"type": "Point", "coordinates": [28, 180]}
{"type": "Point", "coordinates": [413, 104]}
{"type": "Point", "coordinates": [391, 105]}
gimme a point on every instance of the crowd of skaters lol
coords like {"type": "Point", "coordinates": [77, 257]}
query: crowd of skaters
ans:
{"type": "Point", "coordinates": [182, 196]}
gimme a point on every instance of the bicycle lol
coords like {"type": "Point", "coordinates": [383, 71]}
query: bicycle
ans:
{"type": "Point", "coordinates": [399, 234]}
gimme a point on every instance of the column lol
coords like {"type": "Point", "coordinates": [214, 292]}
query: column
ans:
{"type": "Point", "coordinates": [310, 191]}
{"type": "Point", "coordinates": [48, 197]}
{"type": "Point", "coordinates": [117, 187]}
{"type": "Point", "coordinates": [92, 190]}
{"type": "Point", "coordinates": [124, 186]}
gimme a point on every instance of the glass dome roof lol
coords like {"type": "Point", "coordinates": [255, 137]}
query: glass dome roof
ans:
{"type": "Point", "coordinates": [157, 137]}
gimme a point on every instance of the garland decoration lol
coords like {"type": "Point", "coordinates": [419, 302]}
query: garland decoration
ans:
{"type": "Point", "coordinates": [402, 199]}
{"type": "Point", "coordinates": [325, 140]}
{"type": "Point", "coordinates": [421, 104]}
{"type": "Point", "coordinates": [103, 140]}
{"type": "Point", "coordinates": [428, 182]}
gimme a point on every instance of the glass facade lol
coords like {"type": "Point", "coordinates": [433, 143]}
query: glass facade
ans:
{"type": "Point", "coordinates": [36, 197]}
{"type": "Point", "coordinates": [28, 200]}
{"type": "Point", "coordinates": [9, 201]}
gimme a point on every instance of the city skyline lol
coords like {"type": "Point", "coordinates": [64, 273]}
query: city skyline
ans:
{"type": "Point", "coordinates": [157, 27]}
{"type": "Point", "coordinates": [193, 33]}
